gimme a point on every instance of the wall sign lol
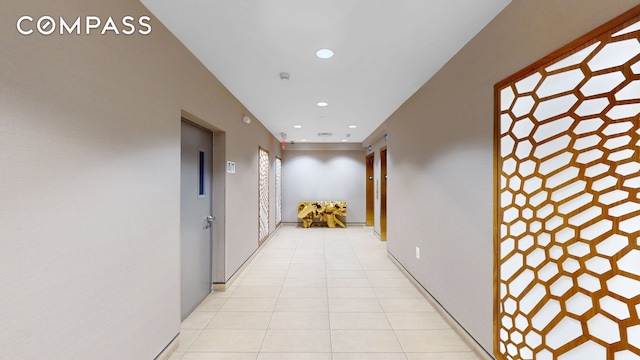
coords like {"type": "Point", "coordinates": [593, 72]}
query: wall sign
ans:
{"type": "Point", "coordinates": [231, 167]}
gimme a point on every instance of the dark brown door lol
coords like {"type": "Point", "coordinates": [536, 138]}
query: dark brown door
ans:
{"type": "Point", "coordinates": [383, 194]}
{"type": "Point", "coordinates": [370, 190]}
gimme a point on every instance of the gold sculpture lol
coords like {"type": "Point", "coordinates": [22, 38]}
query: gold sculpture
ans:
{"type": "Point", "coordinates": [327, 211]}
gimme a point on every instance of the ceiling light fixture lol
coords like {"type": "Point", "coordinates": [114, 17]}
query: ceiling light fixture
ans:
{"type": "Point", "coordinates": [324, 53]}
{"type": "Point", "coordinates": [297, 126]}
{"type": "Point", "coordinates": [303, 140]}
{"type": "Point", "coordinates": [344, 140]}
{"type": "Point", "coordinates": [352, 126]}
{"type": "Point", "coordinates": [284, 76]}
{"type": "Point", "coordinates": [322, 103]}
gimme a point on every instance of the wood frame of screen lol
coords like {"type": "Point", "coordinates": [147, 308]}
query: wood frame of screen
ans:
{"type": "Point", "coordinates": [260, 150]}
{"type": "Point", "coordinates": [575, 46]}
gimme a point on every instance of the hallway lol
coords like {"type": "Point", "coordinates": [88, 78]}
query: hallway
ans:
{"type": "Point", "coordinates": [320, 294]}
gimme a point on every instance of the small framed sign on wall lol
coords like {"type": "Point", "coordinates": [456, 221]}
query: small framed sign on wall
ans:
{"type": "Point", "coordinates": [231, 167]}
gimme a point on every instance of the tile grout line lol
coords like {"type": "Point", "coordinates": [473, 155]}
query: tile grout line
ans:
{"type": "Point", "coordinates": [326, 287]}
{"type": "Point", "coordinates": [266, 331]}
{"type": "Point", "coordinates": [404, 353]}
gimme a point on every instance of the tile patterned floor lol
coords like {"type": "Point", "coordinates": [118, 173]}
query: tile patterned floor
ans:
{"type": "Point", "coordinates": [320, 294]}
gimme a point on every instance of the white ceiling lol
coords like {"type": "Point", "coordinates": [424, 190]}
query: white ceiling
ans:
{"type": "Point", "coordinates": [385, 50]}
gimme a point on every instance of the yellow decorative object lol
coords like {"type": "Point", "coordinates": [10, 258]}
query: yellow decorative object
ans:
{"type": "Point", "coordinates": [326, 211]}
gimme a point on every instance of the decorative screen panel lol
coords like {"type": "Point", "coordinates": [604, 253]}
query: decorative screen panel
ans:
{"type": "Point", "coordinates": [568, 203]}
{"type": "Point", "coordinates": [278, 191]}
{"type": "Point", "coordinates": [263, 193]}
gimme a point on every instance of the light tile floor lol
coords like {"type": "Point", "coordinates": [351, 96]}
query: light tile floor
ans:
{"type": "Point", "coordinates": [320, 294]}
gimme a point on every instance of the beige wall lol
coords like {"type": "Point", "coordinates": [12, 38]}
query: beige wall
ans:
{"type": "Point", "coordinates": [309, 175]}
{"type": "Point", "coordinates": [89, 183]}
{"type": "Point", "coordinates": [440, 154]}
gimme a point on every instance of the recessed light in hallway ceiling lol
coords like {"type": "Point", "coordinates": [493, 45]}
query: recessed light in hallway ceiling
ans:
{"type": "Point", "coordinates": [324, 53]}
{"type": "Point", "coordinates": [322, 103]}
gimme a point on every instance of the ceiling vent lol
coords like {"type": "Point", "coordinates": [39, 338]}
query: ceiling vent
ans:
{"type": "Point", "coordinates": [325, 134]}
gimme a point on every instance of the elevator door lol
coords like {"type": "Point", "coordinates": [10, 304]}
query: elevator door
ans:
{"type": "Point", "coordinates": [195, 216]}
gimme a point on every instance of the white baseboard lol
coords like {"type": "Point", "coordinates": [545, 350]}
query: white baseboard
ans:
{"type": "Point", "coordinates": [468, 339]}
{"type": "Point", "coordinates": [169, 349]}
{"type": "Point", "coordinates": [234, 277]}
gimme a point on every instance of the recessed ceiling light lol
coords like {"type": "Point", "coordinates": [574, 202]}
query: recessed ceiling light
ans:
{"type": "Point", "coordinates": [324, 53]}
{"type": "Point", "coordinates": [303, 140]}
{"type": "Point", "coordinates": [345, 140]}
{"type": "Point", "coordinates": [322, 103]}
{"type": "Point", "coordinates": [353, 126]}
{"type": "Point", "coordinates": [297, 126]}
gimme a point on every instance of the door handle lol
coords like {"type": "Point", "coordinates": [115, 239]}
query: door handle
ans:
{"type": "Point", "coordinates": [209, 221]}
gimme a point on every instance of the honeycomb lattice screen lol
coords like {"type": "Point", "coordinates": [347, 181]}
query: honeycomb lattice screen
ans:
{"type": "Point", "coordinates": [278, 191]}
{"type": "Point", "coordinates": [567, 265]}
{"type": "Point", "coordinates": [263, 194]}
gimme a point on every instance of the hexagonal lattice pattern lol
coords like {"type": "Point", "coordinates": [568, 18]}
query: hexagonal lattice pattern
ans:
{"type": "Point", "coordinates": [263, 192]}
{"type": "Point", "coordinates": [278, 191]}
{"type": "Point", "coordinates": [568, 149]}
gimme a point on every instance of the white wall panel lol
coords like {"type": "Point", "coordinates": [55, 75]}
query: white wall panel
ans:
{"type": "Point", "coordinates": [310, 175]}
